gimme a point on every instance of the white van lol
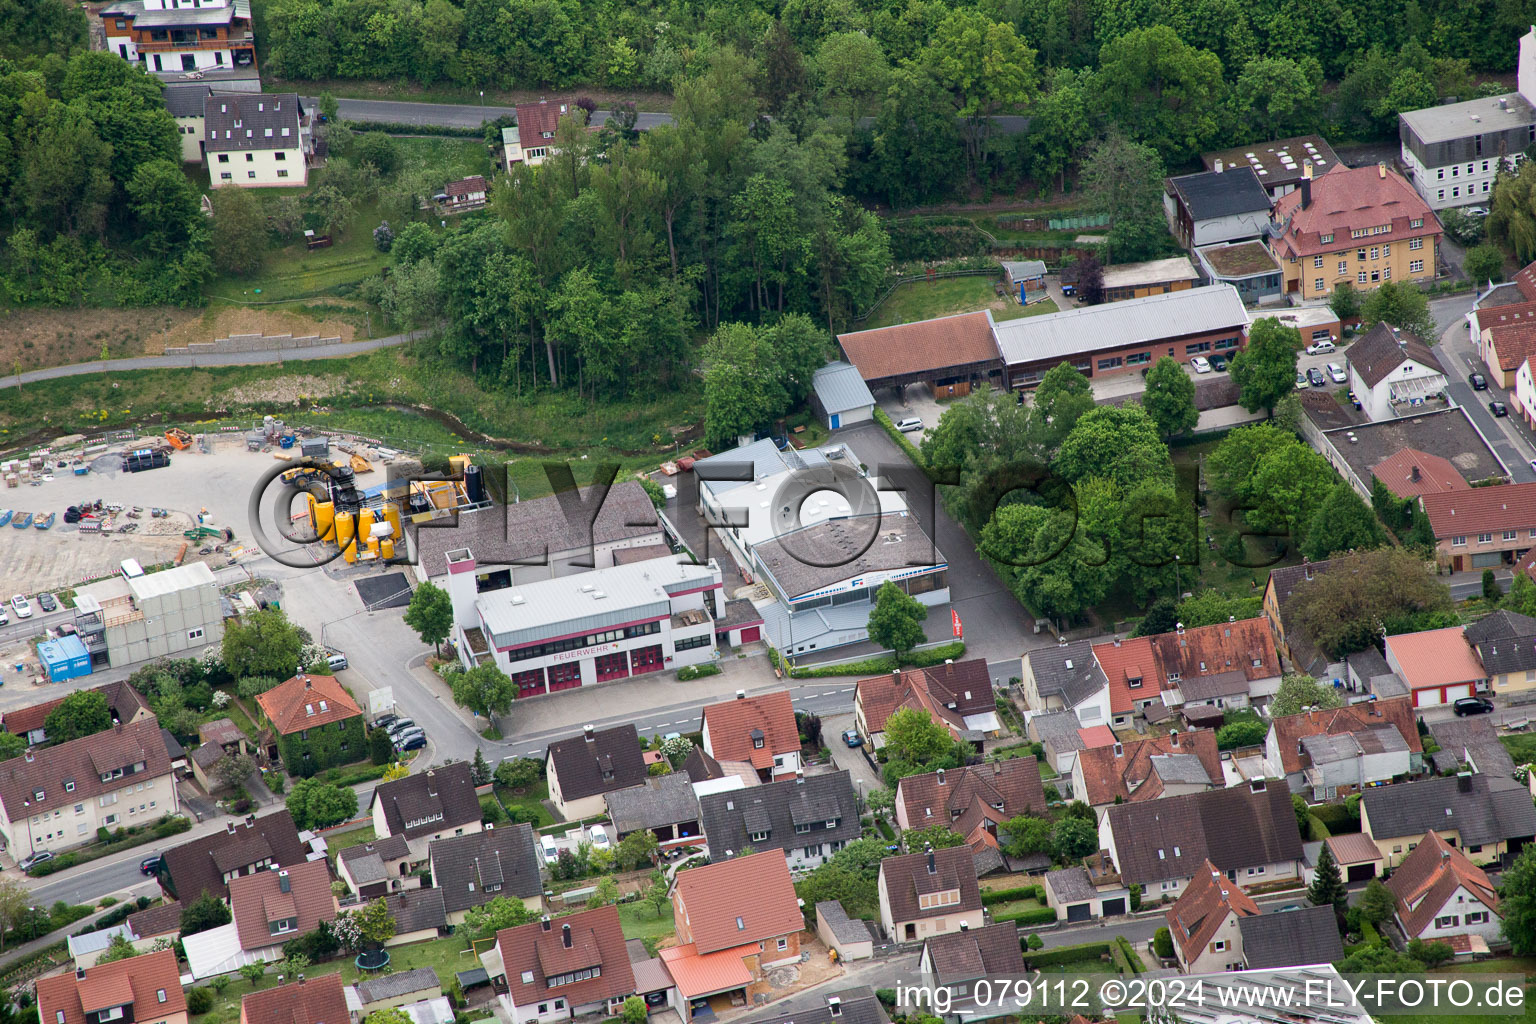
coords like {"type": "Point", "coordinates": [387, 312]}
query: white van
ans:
{"type": "Point", "coordinates": [551, 851]}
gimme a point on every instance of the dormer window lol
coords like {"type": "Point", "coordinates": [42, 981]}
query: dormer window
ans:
{"type": "Point", "coordinates": [1134, 684]}
{"type": "Point", "coordinates": [286, 924]}
{"type": "Point", "coordinates": [309, 709]}
{"type": "Point", "coordinates": [832, 823]}
{"type": "Point", "coordinates": [1174, 677]}
{"type": "Point", "coordinates": [762, 837]}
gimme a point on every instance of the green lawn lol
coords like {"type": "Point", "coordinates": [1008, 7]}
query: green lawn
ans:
{"type": "Point", "coordinates": [1014, 906]}
{"type": "Point", "coordinates": [924, 300]}
{"type": "Point", "coordinates": [1521, 747]}
{"type": "Point", "coordinates": [530, 801]}
{"type": "Point", "coordinates": [641, 921]}
{"type": "Point", "coordinates": [335, 844]}
{"type": "Point", "coordinates": [447, 956]}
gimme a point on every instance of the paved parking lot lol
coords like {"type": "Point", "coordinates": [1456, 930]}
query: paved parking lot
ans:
{"type": "Point", "coordinates": [913, 400]}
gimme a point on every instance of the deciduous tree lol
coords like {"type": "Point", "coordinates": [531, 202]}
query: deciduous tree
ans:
{"type": "Point", "coordinates": [1170, 397]}
{"type": "Point", "coordinates": [431, 615]}
{"type": "Point", "coordinates": [896, 620]}
{"type": "Point", "coordinates": [82, 713]}
{"type": "Point", "coordinates": [485, 689]}
{"type": "Point", "coordinates": [263, 643]}
{"type": "Point", "coordinates": [316, 804]}
{"type": "Point", "coordinates": [1265, 370]}
{"type": "Point", "coordinates": [1299, 691]}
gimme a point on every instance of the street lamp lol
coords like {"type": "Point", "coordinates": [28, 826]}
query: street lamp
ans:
{"type": "Point", "coordinates": [1178, 577]}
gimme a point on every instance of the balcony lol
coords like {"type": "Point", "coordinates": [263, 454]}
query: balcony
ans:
{"type": "Point", "coordinates": [234, 42]}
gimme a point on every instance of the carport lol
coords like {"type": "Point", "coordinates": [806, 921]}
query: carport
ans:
{"type": "Point", "coordinates": [951, 354]}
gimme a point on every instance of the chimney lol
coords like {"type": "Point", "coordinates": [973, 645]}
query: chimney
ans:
{"type": "Point", "coordinates": [565, 936]}
{"type": "Point", "coordinates": [1464, 782]}
{"type": "Point", "coordinates": [1219, 167]}
{"type": "Point", "coordinates": [1445, 855]}
{"type": "Point", "coordinates": [1231, 618]}
{"type": "Point", "coordinates": [431, 783]}
{"type": "Point", "coordinates": [1178, 627]}
{"type": "Point", "coordinates": [250, 819]}
{"type": "Point", "coordinates": [283, 884]}
{"type": "Point", "coordinates": [799, 776]}
{"type": "Point", "coordinates": [1173, 738]}
{"type": "Point", "coordinates": [1306, 184]}
{"type": "Point", "coordinates": [301, 979]}
{"type": "Point", "coordinates": [1381, 170]}
{"type": "Point", "coordinates": [741, 694]}
{"type": "Point", "coordinates": [834, 1006]}
{"type": "Point", "coordinates": [932, 867]}
{"type": "Point", "coordinates": [79, 973]}
{"type": "Point", "coordinates": [965, 926]}
{"type": "Point", "coordinates": [1256, 784]}
{"type": "Point", "coordinates": [1414, 476]}
{"type": "Point", "coordinates": [941, 776]}
{"type": "Point", "coordinates": [1117, 641]}
{"type": "Point", "coordinates": [1119, 750]}
{"type": "Point", "coordinates": [587, 731]}
{"type": "Point", "coordinates": [230, 826]}
{"type": "Point", "coordinates": [1061, 641]}
{"type": "Point", "coordinates": [545, 922]}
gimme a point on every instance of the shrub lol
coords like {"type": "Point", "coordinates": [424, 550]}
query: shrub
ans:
{"type": "Point", "coordinates": [1337, 818]}
{"type": "Point", "coordinates": [689, 673]}
{"type": "Point", "coordinates": [1022, 892]}
{"type": "Point", "coordinates": [199, 1000]}
{"type": "Point", "coordinates": [1038, 915]}
{"type": "Point", "coordinates": [1162, 943]}
{"type": "Point", "coordinates": [1089, 951]}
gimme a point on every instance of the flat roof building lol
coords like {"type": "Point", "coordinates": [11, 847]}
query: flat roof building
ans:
{"type": "Point", "coordinates": [1278, 164]}
{"type": "Point", "coordinates": [1246, 266]}
{"type": "Point", "coordinates": [1152, 277]}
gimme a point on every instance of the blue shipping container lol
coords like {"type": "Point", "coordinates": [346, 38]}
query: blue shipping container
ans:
{"type": "Point", "coordinates": [64, 658]}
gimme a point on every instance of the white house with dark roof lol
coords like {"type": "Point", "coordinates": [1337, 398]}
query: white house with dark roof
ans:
{"type": "Point", "coordinates": [1392, 373]}
{"type": "Point", "coordinates": [1067, 677]}
{"type": "Point", "coordinates": [254, 141]}
{"type": "Point", "coordinates": [184, 102]}
{"type": "Point", "coordinates": [1222, 205]}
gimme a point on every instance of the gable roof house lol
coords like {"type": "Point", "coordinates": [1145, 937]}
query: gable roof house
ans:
{"type": "Point", "coordinates": [315, 722]}
{"type": "Point", "coordinates": [1332, 771]}
{"type": "Point", "coordinates": [727, 944]}
{"type": "Point", "coordinates": [1146, 769]}
{"type": "Point", "coordinates": [849, 1006]}
{"type": "Point", "coordinates": [582, 768]}
{"type": "Point", "coordinates": [1481, 527]}
{"type": "Point", "coordinates": [929, 893]}
{"type": "Point", "coordinates": [144, 989]}
{"type": "Point", "coordinates": [317, 1000]}
{"type": "Point", "coordinates": [666, 805]}
{"type": "Point", "coordinates": [125, 704]}
{"type": "Point", "coordinates": [206, 864]}
{"type": "Point", "coordinates": [1221, 205]}
{"type": "Point", "coordinates": [271, 907]}
{"type": "Point", "coordinates": [956, 695]}
{"type": "Point", "coordinates": [557, 970]}
{"type": "Point", "coordinates": [955, 959]}
{"type": "Point", "coordinates": [420, 914]}
{"type": "Point", "coordinates": [1291, 938]}
{"type": "Point", "coordinates": [1441, 895]}
{"type": "Point", "coordinates": [115, 778]}
{"type": "Point", "coordinates": [808, 817]}
{"type": "Point", "coordinates": [1437, 664]}
{"type": "Point", "coordinates": [372, 869]}
{"type": "Point", "coordinates": [531, 140]}
{"type": "Point", "coordinates": [1505, 643]}
{"type": "Point", "coordinates": [434, 804]}
{"type": "Point", "coordinates": [1227, 664]}
{"type": "Point", "coordinates": [1473, 743]}
{"type": "Point", "coordinates": [259, 140]}
{"type": "Point", "coordinates": [972, 800]}
{"type": "Point", "coordinates": [1203, 922]}
{"type": "Point", "coordinates": [1060, 735]}
{"type": "Point", "coordinates": [1248, 832]}
{"type": "Point", "coordinates": [478, 867]}
{"type": "Point", "coordinates": [760, 730]}
{"type": "Point", "coordinates": [465, 194]}
{"type": "Point", "coordinates": [1393, 373]}
{"type": "Point", "coordinates": [1488, 818]}
{"type": "Point", "coordinates": [1067, 677]}
{"type": "Point", "coordinates": [1281, 586]}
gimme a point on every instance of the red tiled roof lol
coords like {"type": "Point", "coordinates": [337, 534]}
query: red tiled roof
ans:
{"type": "Point", "coordinates": [307, 702]}
{"type": "Point", "coordinates": [1097, 736]}
{"type": "Point", "coordinates": [909, 350]}
{"type": "Point", "coordinates": [730, 725]}
{"type": "Point", "coordinates": [1429, 876]}
{"type": "Point", "coordinates": [1195, 653]}
{"type": "Point", "coordinates": [912, 876]}
{"type": "Point", "coordinates": [1354, 848]}
{"type": "Point", "coordinates": [964, 799]}
{"type": "Point", "coordinates": [321, 1000]}
{"type": "Point", "coordinates": [1345, 199]}
{"type": "Point", "coordinates": [948, 693]}
{"type": "Point", "coordinates": [1130, 775]}
{"type": "Point", "coordinates": [54, 777]}
{"type": "Point", "coordinates": [534, 953]}
{"type": "Point", "coordinates": [1434, 474]}
{"type": "Point", "coordinates": [1395, 711]}
{"type": "Point", "coordinates": [124, 700]}
{"type": "Point", "coordinates": [258, 899]}
{"type": "Point", "coordinates": [1512, 332]}
{"type": "Point", "coordinates": [1481, 510]}
{"type": "Point", "coordinates": [538, 120]}
{"type": "Point", "coordinates": [715, 914]}
{"type": "Point", "coordinates": [701, 974]}
{"type": "Point", "coordinates": [1525, 280]}
{"type": "Point", "coordinates": [465, 186]}
{"type": "Point", "coordinates": [138, 980]}
{"type": "Point", "coordinates": [1434, 657]}
{"type": "Point", "coordinates": [1200, 911]}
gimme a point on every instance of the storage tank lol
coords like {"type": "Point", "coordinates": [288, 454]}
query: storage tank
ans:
{"type": "Point", "coordinates": [344, 535]}
{"type": "Point", "coordinates": [392, 517]}
{"type": "Point", "coordinates": [387, 548]}
{"type": "Point", "coordinates": [474, 484]}
{"type": "Point", "coordinates": [323, 515]}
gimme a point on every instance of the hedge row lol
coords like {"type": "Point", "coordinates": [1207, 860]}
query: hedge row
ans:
{"type": "Point", "coordinates": [689, 673]}
{"type": "Point", "coordinates": [1039, 915]}
{"type": "Point", "coordinates": [1094, 951]}
{"type": "Point", "coordinates": [1023, 892]}
{"type": "Point", "coordinates": [406, 128]}
{"type": "Point", "coordinates": [1337, 818]}
{"type": "Point", "coordinates": [883, 665]}
{"type": "Point", "coordinates": [897, 436]}
{"type": "Point", "coordinates": [123, 839]}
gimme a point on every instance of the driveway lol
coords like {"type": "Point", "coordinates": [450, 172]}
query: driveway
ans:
{"type": "Point", "coordinates": [912, 400]}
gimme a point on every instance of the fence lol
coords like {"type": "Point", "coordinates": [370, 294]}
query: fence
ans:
{"type": "Point", "coordinates": [992, 271]}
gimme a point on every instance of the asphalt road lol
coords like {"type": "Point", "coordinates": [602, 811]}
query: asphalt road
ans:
{"type": "Point", "coordinates": [452, 115]}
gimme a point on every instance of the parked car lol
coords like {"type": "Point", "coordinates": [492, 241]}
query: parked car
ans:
{"type": "Point", "coordinates": [910, 424]}
{"type": "Point", "coordinates": [1336, 373]}
{"type": "Point", "coordinates": [150, 865]}
{"type": "Point", "coordinates": [852, 739]}
{"type": "Point", "coordinates": [1201, 364]}
{"type": "Point", "coordinates": [405, 734]}
{"type": "Point", "coordinates": [21, 606]}
{"type": "Point", "coordinates": [385, 721]}
{"type": "Point", "coordinates": [1498, 408]}
{"type": "Point", "coordinates": [551, 851]}
{"type": "Point", "coordinates": [336, 662]}
{"type": "Point", "coordinates": [1315, 377]}
{"type": "Point", "coordinates": [1473, 706]}
{"type": "Point", "coordinates": [1478, 381]}
{"type": "Point", "coordinates": [29, 862]}
{"type": "Point", "coordinates": [1219, 363]}
{"type": "Point", "coordinates": [1301, 381]}
{"type": "Point", "coordinates": [5, 619]}
{"type": "Point", "coordinates": [1317, 348]}
{"type": "Point", "coordinates": [1476, 211]}
{"type": "Point", "coordinates": [47, 602]}
{"type": "Point", "coordinates": [599, 837]}
{"type": "Point", "coordinates": [415, 741]}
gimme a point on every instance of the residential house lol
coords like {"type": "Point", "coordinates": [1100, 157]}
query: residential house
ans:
{"type": "Point", "coordinates": [1227, 664]}
{"type": "Point", "coordinates": [1473, 743]}
{"type": "Point", "coordinates": [1278, 164]}
{"type": "Point", "coordinates": [1281, 586]}
{"type": "Point", "coordinates": [1367, 675]}
{"type": "Point", "coordinates": [1292, 937]}
{"type": "Point", "coordinates": [1484, 527]}
{"type": "Point", "coordinates": [727, 945]}
{"type": "Point", "coordinates": [1508, 339]}
{"type": "Point", "coordinates": [1364, 225]}
{"type": "Point", "coordinates": [1392, 373]}
{"type": "Point", "coordinates": [761, 730]}
{"type": "Point", "coordinates": [218, 739]}
{"type": "Point", "coordinates": [1286, 752]}
{"type": "Point", "coordinates": [125, 704]}
{"type": "Point", "coordinates": [809, 818]}
{"type": "Point", "coordinates": [144, 989]}
{"type": "Point", "coordinates": [1060, 734]}
{"type": "Point", "coordinates": [129, 619]}
{"type": "Point", "coordinates": [169, 36]}
{"type": "Point", "coordinates": [1442, 896]}
{"type": "Point", "coordinates": [205, 865]}
{"type": "Point", "coordinates": [957, 960]}
{"type": "Point", "coordinates": [184, 102]}
{"type": "Point", "coordinates": [1505, 643]}
{"type": "Point", "coordinates": [1067, 677]}
{"type": "Point", "coordinates": [1437, 664]}
{"type": "Point", "coordinates": [202, 761]}
{"type": "Point", "coordinates": [1248, 832]}
{"type": "Point", "coordinates": [1453, 151]}
{"type": "Point", "coordinates": [1225, 204]}
{"type": "Point", "coordinates": [162, 921]}
{"type": "Point", "coordinates": [851, 937]}
{"type": "Point", "coordinates": [431, 805]}
{"type": "Point", "coordinates": [1252, 269]}
{"type": "Point", "coordinates": [1409, 473]}
{"type": "Point", "coordinates": [419, 915]}
{"type": "Point", "coordinates": [465, 194]}
{"type": "Point", "coordinates": [559, 970]}
{"type": "Point", "coordinates": [1487, 817]}
{"type": "Point", "coordinates": [55, 798]}
{"type": "Point", "coordinates": [531, 140]}
{"type": "Point", "coordinates": [583, 768]}
{"type": "Point", "coordinates": [372, 869]}
{"type": "Point", "coordinates": [478, 867]}
{"type": "Point", "coordinates": [956, 695]}
{"type": "Point", "coordinates": [972, 800]}
{"type": "Point", "coordinates": [847, 1006]}
{"type": "Point", "coordinates": [85, 947]}
{"type": "Point", "coordinates": [271, 907]}
{"type": "Point", "coordinates": [1203, 922]}
{"type": "Point", "coordinates": [315, 722]}
{"type": "Point", "coordinates": [318, 1000]}
{"type": "Point", "coordinates": [1076, 898]}
{"type": "Point", "coordinates": [929, 893]}
{"type": "Point", "coordinates": [259, 140]}
{"type": "Point", "coordinates": [388, 991]}
{"type": "Point", "coordinates": [840, 397]}
{"type": "Point", "coordinates": [1146, 769]}
{"type": "Point", "coordinates": [1345, 763]}
{"type": "Point", "coordinates": [665, 805]}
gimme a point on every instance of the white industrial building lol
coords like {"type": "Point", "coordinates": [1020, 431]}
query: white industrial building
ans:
{"type": "Point", "coordinates": [132, 618]}
{"type": "Point", "coordinates": [604, 625]}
